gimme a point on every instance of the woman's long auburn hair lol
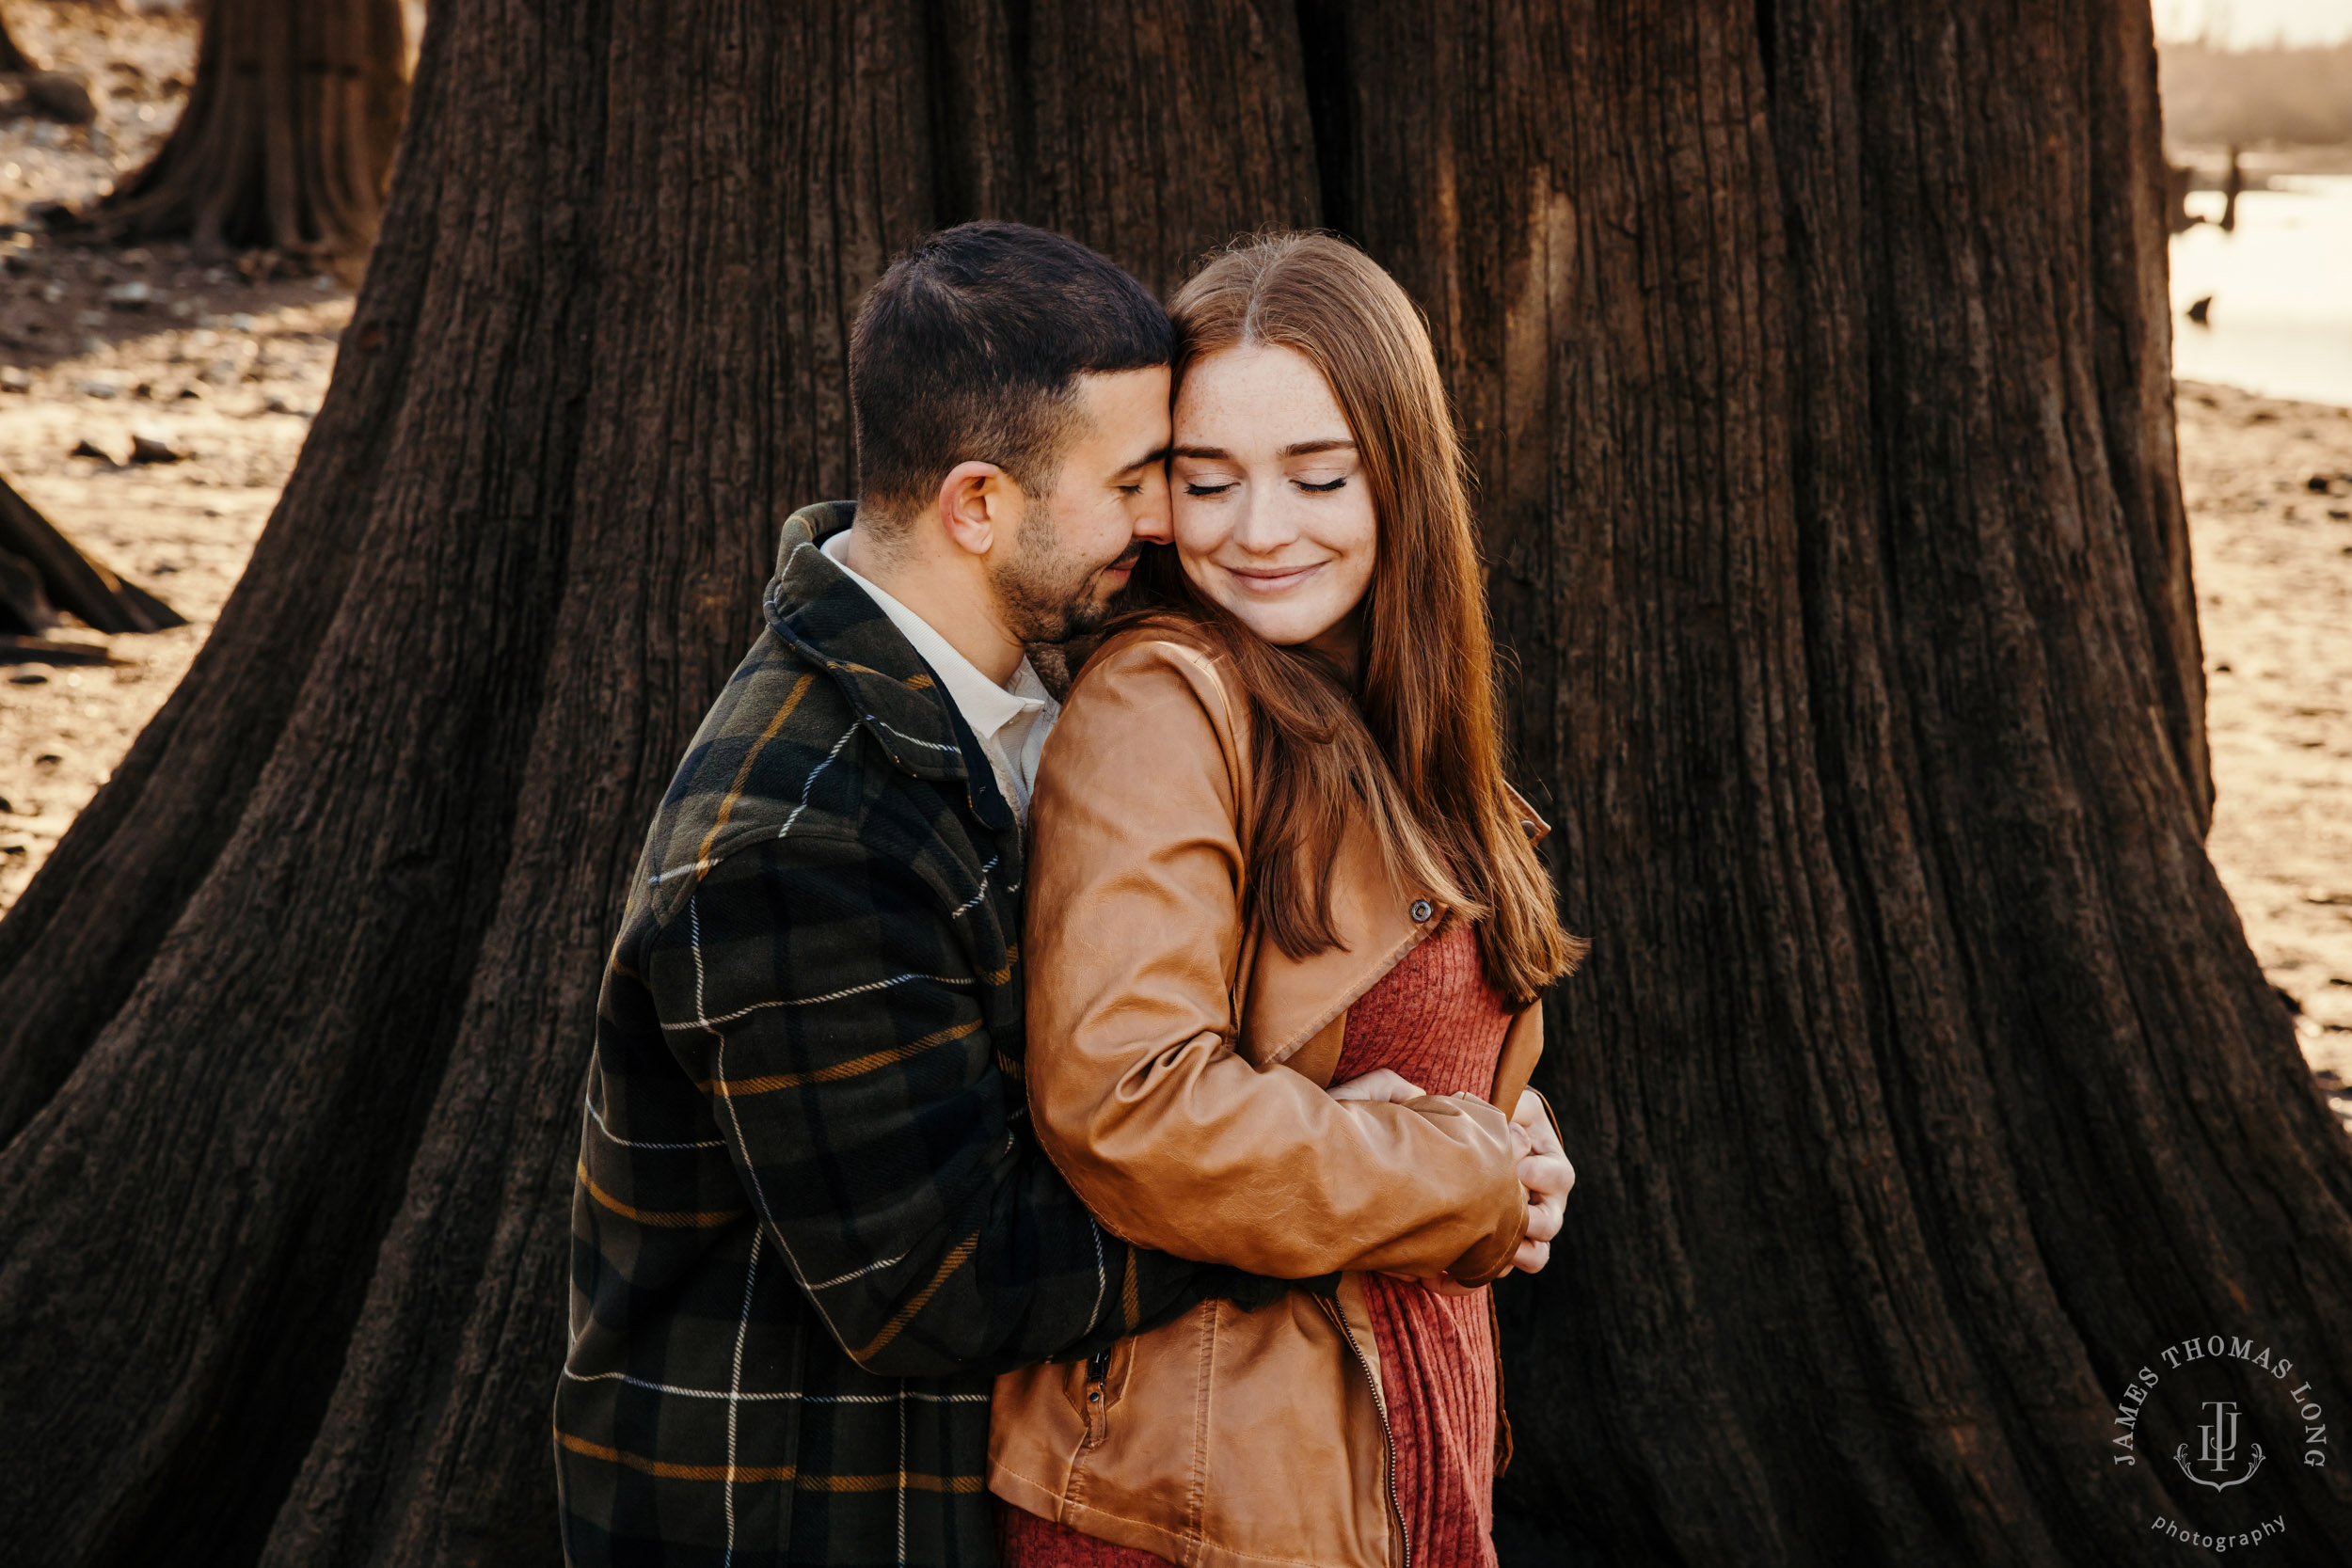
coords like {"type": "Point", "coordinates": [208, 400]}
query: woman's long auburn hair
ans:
{"type": "Point", "coordinates": [1414, 750]}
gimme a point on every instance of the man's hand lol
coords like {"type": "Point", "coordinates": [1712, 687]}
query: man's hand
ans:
{"type": "Point", "coordinates": [1546, 1175]}
{"type": "Point", "coordinates": [1380, 1083]}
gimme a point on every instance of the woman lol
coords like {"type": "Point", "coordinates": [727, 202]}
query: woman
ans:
{"type": "Point", "coordinates": [1273, 831]}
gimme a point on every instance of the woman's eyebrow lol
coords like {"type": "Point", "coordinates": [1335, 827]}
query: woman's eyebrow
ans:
{"type": "Point", "coordinates": [1297, 448]}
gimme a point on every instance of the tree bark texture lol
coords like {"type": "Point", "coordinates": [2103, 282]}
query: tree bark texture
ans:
{"type": "Point", "coordinates": [287, 133]}
{"type": "Point", "coordinates": [1920, 1085]}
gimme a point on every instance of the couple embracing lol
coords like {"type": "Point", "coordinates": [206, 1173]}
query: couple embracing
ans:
{"type": "Point", "coordinates": [1094, 1149]}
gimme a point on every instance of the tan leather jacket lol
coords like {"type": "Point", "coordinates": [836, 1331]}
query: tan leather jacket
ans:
{"type": "Point", "coordinates": [1175, 1071]}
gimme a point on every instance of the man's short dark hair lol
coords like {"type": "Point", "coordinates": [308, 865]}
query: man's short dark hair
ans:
{"type": "Point", "coordinates": [970, 347]}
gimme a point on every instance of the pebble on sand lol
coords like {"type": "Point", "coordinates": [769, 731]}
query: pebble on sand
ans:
{"type": "Point", "coordinates": [155, 444]}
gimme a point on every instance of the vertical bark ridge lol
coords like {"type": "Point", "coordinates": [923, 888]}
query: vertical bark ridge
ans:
{"type": "Point", "coordinates": [2134, 370]}
{"type": "Point", "coordinates": [1330, 101]}
{"type": "Point", "coordinates": [1931, 1062]}
{"type": "Point", "coordinates": [1165, 129]}
{"type": "Point", "coordinates": [979, 148]}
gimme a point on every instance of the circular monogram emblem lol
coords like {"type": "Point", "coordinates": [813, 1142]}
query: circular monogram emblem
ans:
{"type": "Point", "coordinates": [2215, 1410]}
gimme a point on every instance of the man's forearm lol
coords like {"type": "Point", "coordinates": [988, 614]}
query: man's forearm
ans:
{"type": "Point", "coordinates": [858, 1088]}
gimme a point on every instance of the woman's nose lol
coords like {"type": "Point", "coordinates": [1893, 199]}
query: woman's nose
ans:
{"type": "Point", "coordinates": [1265, 525]}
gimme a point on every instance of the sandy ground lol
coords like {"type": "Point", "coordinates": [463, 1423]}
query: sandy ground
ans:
{"type": "Point", "coordinates": [227, 361]}
{"type": "Point", "coordinates": [2270, 492]}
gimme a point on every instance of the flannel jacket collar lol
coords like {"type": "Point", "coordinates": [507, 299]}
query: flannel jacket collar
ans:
{"type": "Point", "coordinates": [814, 605]}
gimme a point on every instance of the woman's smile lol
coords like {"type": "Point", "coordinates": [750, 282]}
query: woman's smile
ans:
{"type": "Point", "coordinates": [1271, 580]}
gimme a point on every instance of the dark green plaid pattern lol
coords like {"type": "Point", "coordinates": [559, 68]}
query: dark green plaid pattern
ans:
{"type": "Point", "coordinates": [810, 1222]}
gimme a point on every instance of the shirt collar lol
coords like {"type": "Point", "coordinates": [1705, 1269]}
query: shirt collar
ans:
{"type": "Point", "coordinates": [985, 706]}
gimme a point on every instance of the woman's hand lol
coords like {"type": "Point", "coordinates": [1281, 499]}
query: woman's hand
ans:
{"type": "Point", "coordinates": [1380, 1083]}
{"type": "Point", "coordinates": [1543, 1170]}
{"type": "Point", "coordinates": [1546, 1175]}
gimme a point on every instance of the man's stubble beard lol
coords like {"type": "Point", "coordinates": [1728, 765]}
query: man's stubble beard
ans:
{"type": "Point", "coordinates": [1047, 595]}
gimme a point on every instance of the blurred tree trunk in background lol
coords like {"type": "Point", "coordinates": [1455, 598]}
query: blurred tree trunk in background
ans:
{"type": "Point", "coordinates": [1921, 1084]}
{"type": "Point", "coordinates": [287, 137]}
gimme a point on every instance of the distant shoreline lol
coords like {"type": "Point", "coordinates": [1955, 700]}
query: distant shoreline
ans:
{"type": "Point", "coordinates": [2256, 164]}
{"type": "Point", "coordinates": [2261, 97]}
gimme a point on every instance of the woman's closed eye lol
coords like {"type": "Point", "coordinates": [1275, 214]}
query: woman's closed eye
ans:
{"type": "Point", "coordinates": [1324, 488]}
{"type": "Point", "coordinates": [1196, 487]}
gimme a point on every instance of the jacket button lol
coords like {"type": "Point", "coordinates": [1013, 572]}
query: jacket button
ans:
{"type": "Point", "coordinates": [1421, 910]}
{"type": "Point", "coordinates": [1526, 827]}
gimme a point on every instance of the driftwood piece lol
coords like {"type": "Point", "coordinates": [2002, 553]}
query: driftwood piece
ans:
{"type": "Point", "coordinates": [44, 650]}
{"type": "Point", "coordinates": [42, 572]}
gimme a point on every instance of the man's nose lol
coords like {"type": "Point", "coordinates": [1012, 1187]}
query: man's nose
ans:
{"type": "Point", "coordinates": [1154, 525]}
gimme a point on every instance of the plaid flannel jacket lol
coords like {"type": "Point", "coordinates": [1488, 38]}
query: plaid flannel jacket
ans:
{"type": "Point", "coordinates": [810, 1222]}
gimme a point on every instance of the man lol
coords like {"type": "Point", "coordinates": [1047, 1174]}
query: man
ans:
{"type": "Point", "coordinates": [810, 1222]}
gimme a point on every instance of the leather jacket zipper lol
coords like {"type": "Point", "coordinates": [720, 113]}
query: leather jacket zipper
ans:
{"type": "Point", "coordinates": [1098, 1373]}
{"type": "Point", "coordinates": [1380, 1408]}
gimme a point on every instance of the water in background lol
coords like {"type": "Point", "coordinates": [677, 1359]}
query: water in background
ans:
{"type": "Point", "coordinates": [2281, 322]}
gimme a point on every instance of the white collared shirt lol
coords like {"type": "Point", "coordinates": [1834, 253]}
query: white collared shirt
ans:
{"type": "Point", "coordinates": [1011, 721]}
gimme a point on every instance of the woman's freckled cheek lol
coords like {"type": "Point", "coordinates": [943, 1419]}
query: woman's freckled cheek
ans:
{"type": "Point", "coordinates": [1198, 531]}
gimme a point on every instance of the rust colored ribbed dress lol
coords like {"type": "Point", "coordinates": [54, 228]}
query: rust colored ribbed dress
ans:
{"type": "Point", "coordinates": [1434, 1019]}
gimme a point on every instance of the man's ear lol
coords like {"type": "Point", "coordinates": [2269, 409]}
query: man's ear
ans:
{"type": "Point", "coordinates": [979, 506]}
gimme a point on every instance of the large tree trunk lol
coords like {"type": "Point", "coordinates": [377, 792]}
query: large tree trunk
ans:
{"type": "Point", "coordinates": [1921, 1084]}
{"type": "Point", "coordinates": [287, 135]}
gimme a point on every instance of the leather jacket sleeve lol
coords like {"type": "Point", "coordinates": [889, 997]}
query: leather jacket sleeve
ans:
{"type": "Point", "coordinates": [1133, 931]}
